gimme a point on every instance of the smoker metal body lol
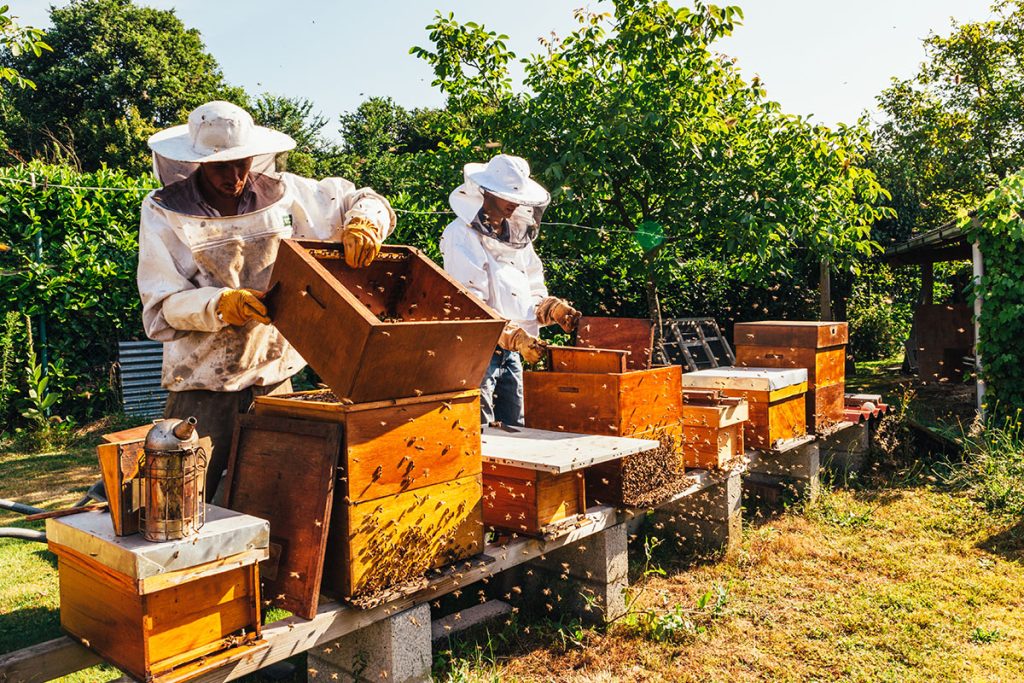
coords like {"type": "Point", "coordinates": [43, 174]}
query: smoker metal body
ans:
{"type": "Point", "coordinates": [173, 481]}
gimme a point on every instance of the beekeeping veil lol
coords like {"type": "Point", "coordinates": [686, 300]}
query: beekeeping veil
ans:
{"type": "Point", "coordinates": [507, 177]}
{"type": "Point", "coordinates": [216, 131]}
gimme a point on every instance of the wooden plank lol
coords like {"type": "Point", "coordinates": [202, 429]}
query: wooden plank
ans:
{"type": "Point", "coordinates": [635, 335]}
{"type": "Point", "coordinates": [594, 361]}
{"type": "Point", "coordinates": [128, 435]}
{"type": "Point", "coordinates": [649, 399]}
{"type": "Point", "coordinates": [716, 416]}
{"type": "Point", "coordinates": [301, 404]}
{"type": "Point", "coordinates": [46, 661]}
{"type": "Point", "coordinates": [283, 471]}
{"type": "Point", "coordinates": [555, 452]}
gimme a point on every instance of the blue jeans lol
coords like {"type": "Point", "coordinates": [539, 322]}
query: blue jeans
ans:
{"type": "Point", "coordinates": [501, 393]}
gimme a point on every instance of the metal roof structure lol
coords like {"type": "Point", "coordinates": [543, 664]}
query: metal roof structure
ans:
{"type": "Point", "coordinates": [944, 243]}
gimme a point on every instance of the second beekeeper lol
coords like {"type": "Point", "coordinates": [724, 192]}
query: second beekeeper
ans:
{"type": "Point", "coordinates": [208, 240]}
{"type": "Point", "coordinates": [489, 249]}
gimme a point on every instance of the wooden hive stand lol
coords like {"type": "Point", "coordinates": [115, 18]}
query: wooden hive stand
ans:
{"type": "Point", "coordinates": [817, 347]}
{"type": "Point", "coordinates": [154, 609]}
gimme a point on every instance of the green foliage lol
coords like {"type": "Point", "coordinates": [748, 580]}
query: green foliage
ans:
{"type": "Point", "coordinates": [634, 119]}
{"type": "Point", "coordinates": [295, 116]}
{"type": "Point", "coordinates": [879, 312]}
{"type": "Point", "coordinates": [85, 281]}
{"type": "Point", "coordinates": [984, 636]}
{"type": "Point", "coordinates": [18, 40]}
{"type": "Point", "coordinates": [993, 464]}
{"type": "Point", "coordinates": [9, 337]}
{"type": "Point", "coordinates": [118, 72]}
{"type": "Point", "coordinates": [957, 127]}
{"type": "Point", "coordinates": [998, 229]}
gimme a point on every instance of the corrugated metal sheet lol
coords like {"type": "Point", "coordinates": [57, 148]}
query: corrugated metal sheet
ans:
{"type": "Point", "coordinates": [139, 366]}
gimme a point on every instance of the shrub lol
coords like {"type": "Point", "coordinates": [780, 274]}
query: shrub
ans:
{"type": "Point", "coordinates": [82, 280]}
{"type": "Point", "coordinates": [993, 466]}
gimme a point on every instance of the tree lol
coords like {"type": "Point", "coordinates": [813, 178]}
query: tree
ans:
{"type": "Point", "coordinates": [957, 127]}
{"type": "Point", "coordinates": [295, 116]}
{"type": "Point", "coordinates": [117, 74]}
{"type": "Point", "coordinates": [18, 40]}
{"type": "Point", "coordinates": [645, 133]}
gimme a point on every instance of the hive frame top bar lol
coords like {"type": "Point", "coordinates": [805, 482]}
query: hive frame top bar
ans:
{"type": "Point", "coordinates": [555, 452]}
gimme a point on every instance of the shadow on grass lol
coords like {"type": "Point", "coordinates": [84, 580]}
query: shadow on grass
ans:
{"type": "Point", "coordinates": [21, 628]}
{"type": "Point", "coordinates": [1008, 543]}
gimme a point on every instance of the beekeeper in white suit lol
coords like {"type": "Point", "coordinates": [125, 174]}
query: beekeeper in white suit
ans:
{"type": "Point", "coordinates": [207, 243]}
{"type": "Point", "coordinates": [489, 249]}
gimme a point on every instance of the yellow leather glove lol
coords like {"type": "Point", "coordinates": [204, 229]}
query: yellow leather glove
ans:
{"type": "Point", "coordinates": [238, 306]}
{"type": "Point", "coordinates": [555, 311]}
{"type": "Point", "coordinates": [362, 241]}
{"type": "Point", "coordinates": [518, 339]}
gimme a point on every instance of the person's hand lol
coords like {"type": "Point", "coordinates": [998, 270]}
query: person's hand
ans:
{"type": "Point", "coordinates": [238, 306]}
{"type": "Point", "coordinates": [362, 241]}
{"type": "Point", "coordinates": [555, 311]}
{"type": "Point", "coordinates": [529, 347]}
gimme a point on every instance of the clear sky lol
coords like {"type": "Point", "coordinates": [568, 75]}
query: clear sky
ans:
{"type": "Point", "coordinates": [829, 58]}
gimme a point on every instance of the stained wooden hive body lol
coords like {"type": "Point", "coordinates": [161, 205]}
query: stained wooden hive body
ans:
{"type": "Point", "coordinates": [775, 400]}
{"type": "Point", "coordinates": [713, 430]}
{"type": "Point", "coordinates": [154, 608]}
{"type": "Point", "coordinates": [534, 479]}
{"type": "Point", "coordinates": [818, 347]}
{"type": "Point", "coordinates": [408, 492]}
{"type": "Point", "coordinates": [645, 404]}
{"type": "Point", "coordinates": [398, 328]}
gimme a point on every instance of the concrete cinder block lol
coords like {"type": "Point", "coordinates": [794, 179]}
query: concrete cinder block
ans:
{"type": "Point", "coordinates": [602, 557]}
{"type": "Point", "coordinates": [803, 462]}
{"type": "Point", "coordinates": [588, 579]}
{"type": "Point", "coordinates": [845, 452]}
{"type": "Point", "coordinates": [463, 620]}
{"type": "Point", "coordinates": [395, 649]}
{"type": "Point", "coordinates": [711, 519]}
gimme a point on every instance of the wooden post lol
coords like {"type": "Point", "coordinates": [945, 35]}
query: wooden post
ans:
{"type": "Point", "coordinates": [825, 290]}
{"type": "Point", "coordinates": [979, 272]}
{"type": "Point", "coordinates": [927, 283]}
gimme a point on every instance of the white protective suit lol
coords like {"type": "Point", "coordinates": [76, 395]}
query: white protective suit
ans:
{"type": "Point", "coordinates": [186, 262]}
{"type": "Point", "coordinates": [510, 279]}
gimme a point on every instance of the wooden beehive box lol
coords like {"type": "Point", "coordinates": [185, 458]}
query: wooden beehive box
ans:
{"type": "Point", "coordinates": [534, 479]}
{"type": "Point", "coordinates": [408, 496]}
{"type": "Point", "coordinates": [818, 347]}
{"type": "Point", "coordinates": [153, 608]}
{"type": "Point", "coordinates": [398, 328]}
{"type": "Point", "coordinates": [712, 429]}
{"type": "Point", "coordinates": [635, 335]}
{"type": "Point", "coordinates": [775, 400]}
{"type": "Point", "coordinates": [645, 404]}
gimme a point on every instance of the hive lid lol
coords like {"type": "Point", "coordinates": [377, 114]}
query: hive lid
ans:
{"type": "Point", "coordinates": [225, 533]}
{"type": "Point", "coordinates": [555, 452]}
{"type": "Point", "coordinates": [750, 379]}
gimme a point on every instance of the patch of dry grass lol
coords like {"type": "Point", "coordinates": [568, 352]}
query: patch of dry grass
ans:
{"type": "Point", "coordinates": [912, 584]}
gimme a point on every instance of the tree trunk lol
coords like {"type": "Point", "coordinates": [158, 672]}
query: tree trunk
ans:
{"type": "Point", "coordinates": [825, 291]}
{"type": "Point", "coordinates": [653, 302]}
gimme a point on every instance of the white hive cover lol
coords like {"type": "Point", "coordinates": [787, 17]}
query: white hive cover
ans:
{"type": "Point", "coordinates": [748, 379]}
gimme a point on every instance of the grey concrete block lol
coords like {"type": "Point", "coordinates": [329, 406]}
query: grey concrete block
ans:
{"type": "Point", "coordinates": [846, 451]}
{"type": "Point", "coordinates": [471, 617]}
{"type": "Point", "coordinates": [800, 463]}
{"type": "Point", "coordinates": [395, 649]}
{"type": "Point", "coordinates": [601, 557]}
{"type": "Point", "coordinates": [718, 502]}
{"type": "Point", "coordinates": [711, 519]}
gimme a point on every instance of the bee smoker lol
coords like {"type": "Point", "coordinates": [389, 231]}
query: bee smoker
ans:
{"type": "Point", "coordinates": [173, 481]}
